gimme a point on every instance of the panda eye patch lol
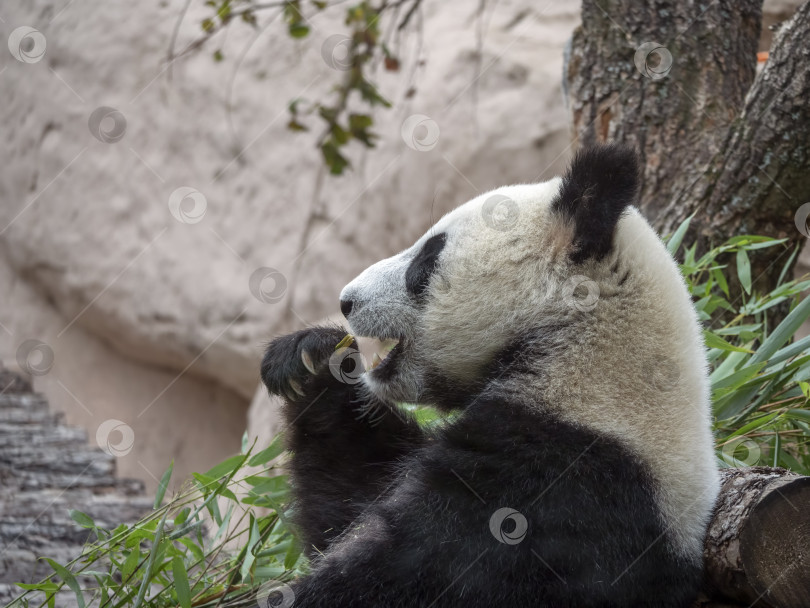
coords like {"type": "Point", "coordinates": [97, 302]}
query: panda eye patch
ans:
{"type": "Point", "coordinates": [422, 267]}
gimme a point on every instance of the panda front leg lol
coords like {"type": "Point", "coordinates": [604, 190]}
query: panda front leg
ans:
{"type": "Point", "coordinates": [345, 444]}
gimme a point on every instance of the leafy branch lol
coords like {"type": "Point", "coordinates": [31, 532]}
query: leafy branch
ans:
{"type": "Point", "coordinates": [355, 54]}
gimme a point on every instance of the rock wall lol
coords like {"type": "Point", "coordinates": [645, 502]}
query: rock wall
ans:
{"type": "Point", "coordinates": [46, 469]}
{"type": "Point", "coordinates": [141, 196]}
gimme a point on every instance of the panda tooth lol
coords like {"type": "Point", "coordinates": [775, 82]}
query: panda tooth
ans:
{"type": "Point", "coordinates": [296, 386]}
{"type": "Point", "coordinates": [307, 361]}
{"type": "Point", "coordinates": [375, 360]}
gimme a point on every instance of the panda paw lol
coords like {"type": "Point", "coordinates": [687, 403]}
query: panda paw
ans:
{"type": "Point", "coordinates": [299, 365]}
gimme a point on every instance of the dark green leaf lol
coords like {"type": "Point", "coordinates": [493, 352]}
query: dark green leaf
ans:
{"type": "Point", "coordinates": [181, 582]}
{"type": "Point", "coordinates": [298, 30]}
{"type": "Point", "coordinates": [714, 341]}
{"type": "Point", "coordinates": [292, 556]}
{"type": "Point", "coordinates": [333, 158]}
{"type": "Point", "coordinates": [250, 555]}
{"type": "Point", "coordinates": [786, 329]}
{"type": "Point", "coordinates": [674, 242]}
{"type": "Point", "coordinates": [744, 270]}
{"type": "Point", "coordinates": [226, 467]}
{"type": "Point", "coordinates": [69, 580]}
{"type": "Point", "coordinates": [153, 553]}
{"type": "Point", "coordinates": [83, 519]}
{"type": "Point", "coordinates": [130, 563]}
{"type": "Point", "coordinates": [164, 483]}
{"type": "Point", "coordinates": [275, 448]}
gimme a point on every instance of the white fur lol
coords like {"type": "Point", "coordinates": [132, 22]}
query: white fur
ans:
{"type": "Point", "coordinates": [631, 367]}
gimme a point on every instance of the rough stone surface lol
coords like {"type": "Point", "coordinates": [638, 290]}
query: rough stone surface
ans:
{"type": "Point", "coordinates": [86, 230]}
{"type": "Point", "coordinates": [192, 420]}
{"type": "Point", "coordinates": [46, 469]}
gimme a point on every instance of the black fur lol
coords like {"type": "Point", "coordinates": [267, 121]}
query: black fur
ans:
{"type": "Point", "coordinates": [524, 354]}
{"type": "Point", "coordinates": [599, 185]}
{"type": "Point", "coordinates": [343, 446]}
{"type": "Point", "coordinates": [407, 515]}
{"type": "Point", "coordinates": [422, 267]}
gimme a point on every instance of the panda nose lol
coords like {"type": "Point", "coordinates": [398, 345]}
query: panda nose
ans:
{"type": "Point", "coordinates": [346, 307]}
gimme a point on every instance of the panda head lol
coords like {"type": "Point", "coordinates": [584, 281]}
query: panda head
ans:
{"type": "Point", "coordinates": [515, 264]}
{"type": "Point", "coordinates": [560, 297]}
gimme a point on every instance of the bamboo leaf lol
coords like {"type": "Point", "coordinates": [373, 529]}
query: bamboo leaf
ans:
{"type": "Point", "coordinates": [798, 347]}
{"type": "Point", "coordinates": [755, 424]}
{"type": "Point", "coordinates": [147, 575]}
{"type": "Point", "coordinates": [739, 377]}
{"type": "Point", "coordinates": [803, 415]}
{"type": "Point", "coordinates": [181, 582]}
{"type": "Point", "coordinates": [788, 264]}
{"type": "Point", "coordinates": [786, 329]}
{"type": "Point", "coordinates": [226, 467]}
{"type": "Point", "coordinates": [744, 270]}
{"type": "Point", "coordinates": [292, 556]}
{"type": "Point", "coordinates": [777, 447]}
{"type": "Point", "coordinates": [721, 280]}
{"type": "Point", "coordinates": [164, 483]}
{"type": "Point", "coordinates": [83, 519]}
{"type": "Point", "coordinates": [69, 580]}
{"type": "Point", "coordinates": [736, 330]}
{"type": "Point", "coordinates": [674, 242]}
{"type": "Point", "coordinates": [727, 366]}
{"type": "Point", "coordinates": [250, 556]}
{"type": "Point", "coordinates": [714, 341]}
{"type": "Point", "coordinates": [275, 448]}
{"type": "Point", "coordinates": [130, 563]}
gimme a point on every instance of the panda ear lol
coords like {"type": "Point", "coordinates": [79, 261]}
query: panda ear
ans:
{"type": "Point", "coordinates": [601, 182]}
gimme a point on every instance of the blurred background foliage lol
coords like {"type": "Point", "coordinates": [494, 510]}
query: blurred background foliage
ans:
{"type": "Point", "coordinates": [346, 116]}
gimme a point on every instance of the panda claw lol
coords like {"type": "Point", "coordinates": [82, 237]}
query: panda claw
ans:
{"type": "Point", "coordinates": [307, 361]}
{"type": "Point", "coordinates": [289, 394]}
{"type": "Point", "coordinates": [296, 386]}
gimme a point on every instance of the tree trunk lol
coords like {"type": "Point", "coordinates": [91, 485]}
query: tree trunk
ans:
{"type": "Point", "coordinates": [715, 138]}
{"type": "Point", "coordinates": [758, 545]}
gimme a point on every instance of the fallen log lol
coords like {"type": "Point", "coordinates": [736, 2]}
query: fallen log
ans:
{"type": "Point", "coordinates": [757, 550]}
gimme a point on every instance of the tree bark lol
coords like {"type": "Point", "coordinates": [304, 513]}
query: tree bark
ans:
{"type": "Point", "coordinates": [714, 139]}
{"type": "Point", "coordinates": [757, 550]}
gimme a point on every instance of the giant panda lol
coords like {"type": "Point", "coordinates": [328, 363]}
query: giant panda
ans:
{"type": "Point", "coordinates": [575, 467]}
